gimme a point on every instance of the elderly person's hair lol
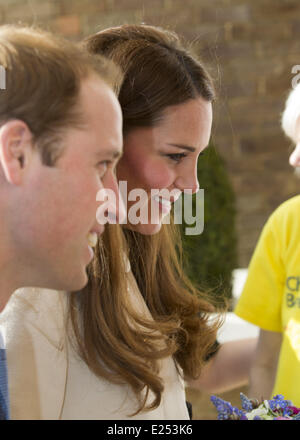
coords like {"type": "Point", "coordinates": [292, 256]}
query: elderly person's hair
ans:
{"type": "Point", "coordinates": [291, 113]}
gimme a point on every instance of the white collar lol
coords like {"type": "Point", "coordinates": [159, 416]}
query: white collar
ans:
{"type": "Point", "coordinates": [2, 338]}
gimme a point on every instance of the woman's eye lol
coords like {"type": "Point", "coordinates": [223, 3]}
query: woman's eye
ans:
{"type": "Point", "coordinates": [176, 157]}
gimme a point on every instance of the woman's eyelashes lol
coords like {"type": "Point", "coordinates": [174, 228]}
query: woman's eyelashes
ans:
{"type": "Point", "coordinates": [176, 157]}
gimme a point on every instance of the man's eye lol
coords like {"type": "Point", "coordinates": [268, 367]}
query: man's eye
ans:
{"type": "Point", "coordinates": [104, 163]}
{"type": "Point", "coordinates": [102, 166]}
{"type": "Point", "coordinates": [176, 157]}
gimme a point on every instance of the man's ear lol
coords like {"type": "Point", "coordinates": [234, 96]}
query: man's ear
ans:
{"type": "Point", "coordinates": [15, 149]}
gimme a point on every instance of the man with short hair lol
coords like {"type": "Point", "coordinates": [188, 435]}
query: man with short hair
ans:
{"type": "Point", "coordinates": [60, 138]}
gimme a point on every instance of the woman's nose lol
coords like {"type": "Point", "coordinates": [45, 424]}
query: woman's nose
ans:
{"type": "Point", "coordinates": [188, 182]}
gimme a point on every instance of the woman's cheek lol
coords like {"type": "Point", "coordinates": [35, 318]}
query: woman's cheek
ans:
{"type": "Point", "coordinates": [157, 175]}
{"type": "Point", "coordinates": [144, 172]}
{"type": "Point", "coordinates": [131, 167]}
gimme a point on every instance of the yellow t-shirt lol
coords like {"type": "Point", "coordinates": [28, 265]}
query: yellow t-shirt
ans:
{"type": "Point", "coordinates": [271, 295]}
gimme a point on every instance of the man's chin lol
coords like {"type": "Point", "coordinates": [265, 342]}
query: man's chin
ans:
{"type": "Point", "coordinates": [77, 282]}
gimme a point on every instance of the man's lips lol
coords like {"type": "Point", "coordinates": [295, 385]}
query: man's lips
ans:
{"type": "Point", "coordinates": [92, 236]}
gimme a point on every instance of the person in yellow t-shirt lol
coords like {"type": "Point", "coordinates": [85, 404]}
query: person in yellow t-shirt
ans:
{"type": "Point", "coordinates": [271, 295]}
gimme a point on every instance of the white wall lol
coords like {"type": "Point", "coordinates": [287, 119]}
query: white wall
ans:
{"type": "Point", "coordinates": [235, 327]}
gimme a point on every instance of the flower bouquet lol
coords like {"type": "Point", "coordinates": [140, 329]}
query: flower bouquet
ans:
{"type": "Point", "coordinates": [275, 409]}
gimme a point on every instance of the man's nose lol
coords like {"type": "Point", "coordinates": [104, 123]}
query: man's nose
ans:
{"type": "Point", "coordinates": [116, 211]}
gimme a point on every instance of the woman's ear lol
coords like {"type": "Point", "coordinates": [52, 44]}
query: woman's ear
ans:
{"type": "Point", "coordinates": [15, 150]}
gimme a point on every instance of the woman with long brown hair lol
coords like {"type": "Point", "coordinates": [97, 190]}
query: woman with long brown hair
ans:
{"type": "Point", "coordinates": [125, 343]}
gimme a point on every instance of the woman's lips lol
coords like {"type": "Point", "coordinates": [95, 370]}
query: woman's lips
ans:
{"type": "Point", "coordinates": [165, 204]}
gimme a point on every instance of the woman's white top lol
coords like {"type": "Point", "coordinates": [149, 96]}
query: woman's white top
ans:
{"type": "Point", "coordinates": [48, 380]}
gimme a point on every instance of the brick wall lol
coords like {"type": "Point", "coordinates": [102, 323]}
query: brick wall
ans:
{"type": "Point", "coordinates": [251, 47]}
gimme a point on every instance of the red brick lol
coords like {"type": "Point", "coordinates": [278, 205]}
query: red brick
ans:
{"type": "Point", "coordinates": [29, 12]}
{"type": "Point", "coordinates": [82, 7]}
{"type": "Point", "coordinates": [68, 25]}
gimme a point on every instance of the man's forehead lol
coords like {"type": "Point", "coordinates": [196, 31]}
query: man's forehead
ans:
{"type": "Point", "coordinates": [95, 90]}
{"type": "Point", "coordinates": [103, 116]}
{"type": "Point", "coordinates": [93, 83]}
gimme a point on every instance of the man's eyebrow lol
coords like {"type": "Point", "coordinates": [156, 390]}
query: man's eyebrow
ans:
{"type": "Point", "coordinates": [114, 154]}
{"type": "Point", "coordinates": [184, 147]}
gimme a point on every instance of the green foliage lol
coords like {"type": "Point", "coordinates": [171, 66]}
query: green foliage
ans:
{"type": "Point", "coordinates": [211, 256]}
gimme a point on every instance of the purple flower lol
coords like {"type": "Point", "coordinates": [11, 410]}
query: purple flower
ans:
{"type": "Point", "coordinates": [246, 403]}
{"type": "Point", "coordinates": [276, 408]}
{"type": "Point", "coordinates": [225, 410]}
{"type": "Point", "coordinates": [279, 405]}
{"type": "Point", "coordinates": [293, 409]}
{"type": "Point", "coordinates": [243, 417]}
